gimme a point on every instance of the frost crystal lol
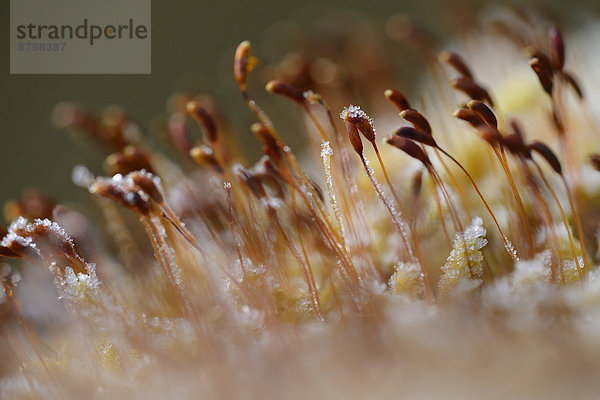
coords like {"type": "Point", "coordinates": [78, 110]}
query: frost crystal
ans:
{"type": "Point", "coordinates": [79, 287]}
{"type": "Point", "coordinates": [466, 259]}
{"type": "Point", "coordinates": [54, 228]}
{"type": "Point", "coordinates": [12, 237]}
{"type": "Point", "coordinates": [326, 153]}
{"type": "Point", "coordinates": [167, 250]}
{"type": "Point", "coordinates": [387, 201]}
{"type": "Point", "coordinates": [15, 233]}
{"type": "Point", "coordinates": [249, 267]}
{"type": "Point", "coordinates": [154, 178]}
{"type": "Point", "coordinates": [407, 279]}
{"type": "Point", "coordinates": [353, 112]}
{"type": "Point", "coordinates": [312, 97]}
{"type": "Point", "coordinates": [570, 270]}
{"type": "Point", "coordinates": [326, 149]}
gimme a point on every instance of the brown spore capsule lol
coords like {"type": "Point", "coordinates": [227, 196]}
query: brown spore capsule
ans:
{"type": "Point", "coordinates": [543, 150]}
{"type": "Point", "coordinates": [410, 148]}
{"type": "Point", "coordinates": [146, 182]}
{"type": "Point", "coordinates": [243, 63]}
{"type": "Point", "coordinates": [408, 132]}
{"type": "Point", "coordinates": [69, 115]}
{"type": "Point", "coordinates": [456, 62]}
{"type": "Point", "coordinates": [178, 133]}
{"type": "Point", "coordinates": [469, 116]}
{"type": "Point", "coordinates": [416, 119]}
{"type": "Point", "coordinates": [131, 159]}
{"type": "Point", "coordinates": [397, 99]}
{"type": "Point", "coordinates": [130, 199]}
{"type": "Point", "coordinates": [544, 74]}
{"type": "Point", "coordinates": [32, 204]}
{"type": "Point", "coordinates": [357, 117]}
{"type": "Point", "coordinates": [354, 138]}
{"type": "Point", "coordinates": [272, 146]}
{"type": "Point", "coordinates": [287, 90]}
{"type": "Point", "coordinates": [205, 119]}
{"type": "Point", "coordinates": [483, 111]}
{"type": "Point", "coordinates": [471, 89]}
{"type": "Point", "coordinates": [204, 155]}
{"type": "Point", "coordinates": [251, 181]}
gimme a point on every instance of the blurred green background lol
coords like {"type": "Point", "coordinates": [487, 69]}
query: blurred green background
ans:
{"type": "Point", "coordinates": [192, 44]}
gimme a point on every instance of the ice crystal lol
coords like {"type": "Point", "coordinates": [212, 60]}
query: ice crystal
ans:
{"type": "Point", "coordinates": [388, 202]}
{"type": "Point", "coordinates": [79, 287]}
{"type": "Point", "coordinates": [353, 112]}
{"type": "Point", "coordinates": [312, 97]}
{"type": "Point", "coordinates": [12, 237]}
{"type": "Point", "coordinates": [326, 149]}
{"type": "Point", "coordinates": [249, 268]}
{"type": "Point", "coordinates": [326, 153]}
{"type": "Point", "coordinates": [167, 250]}
{"type": "Point", "coordinates": [466, 259]}
{"type": "Point", "coordinates": [570, 270]}
{"type": "Point", "coordinates": [154, 178]}
{"type": "Point", "coordinates": [407, 279]}
{"type": "Point", "coordinates": [19, 232]}
{"type": "Point", "coordinates": [53, 227]}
